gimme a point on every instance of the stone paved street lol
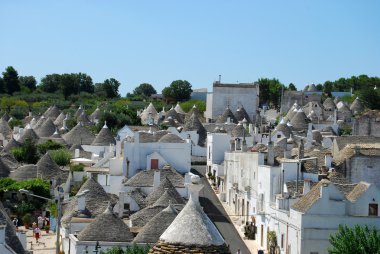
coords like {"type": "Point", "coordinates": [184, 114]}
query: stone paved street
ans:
{"type": "Point", "coordinates": [214, 209]}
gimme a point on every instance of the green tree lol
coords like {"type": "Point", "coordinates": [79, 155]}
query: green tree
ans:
{"type": "Point", "coordinates": [10, 79]}
{"type": "Point", "coordinates": [26, 153]}
{"type": "Point", "coordinates": [29, 82]}
{"type": "Point", "coordinates": [270, 91]}
{"type": "Point", "coordinates": [178, 89]}
{"type": "Point", "coordinates": [292, 87]}
{"type": "Point", "coordinates": [49, 145]}
{"type": "Point", "coordinates": [144, 89]}
{"type": "Point", "coordinates": [69, 85]}
{"type": "Point", "coordinates": [85, 82]}
{"type": "Point", "coordinates": [2, 86]}
{"type": "Point", "coordinates": [50, 83]}
{"type": "Point", "coordinates": [355, 240]}
{"type": "Point", "coordinates": [61, 156]}
{"type": "Point", "coordinates": [108, 89]}
{"type": "Point", "coordinates": [328, 87]}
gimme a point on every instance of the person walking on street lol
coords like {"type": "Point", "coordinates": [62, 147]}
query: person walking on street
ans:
{"type": "Point", "coordinates": [34, 226]}
{"type": "Point", "coordinates": [238, 251]}
{"type": "Point", "coordinates": [15, 223]}
{"type": "Point", "coordinates": [37, 233]}
{"type": "Point", "coordinates": [40, 221]}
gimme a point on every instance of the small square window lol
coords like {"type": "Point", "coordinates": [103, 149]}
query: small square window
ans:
{"type": "Point", "coordinates": [373, 210]}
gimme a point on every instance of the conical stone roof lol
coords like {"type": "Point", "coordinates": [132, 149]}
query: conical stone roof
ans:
{"type": "Point", "coordinates": [171, 138]}
{"type": "Point", "coordinates": [104, 137]}
{"type": "Point", "coordinates": [178, 109]}
{"type": "Point", "coordinates": [11, 238]}
{"type": "Point", "coordinates": [84, 119]}
{"type": "Point", "coordinates": [174, 115]}
{"type": "Point", "coordinates": [52, 112]}
{"type": "Point", "coordinates": [6, 117]}
{"type": "Point", "coordinates": [29, 133]}
{"type": "Point", "coordinates": [357, 106]}
{"type": "Point", "coordinates": [95, 115]}
{"type": "Point", "coordinates": [107, 227]}
{"type": "Point", "coordinates": [329, 104]}
{"type": "Point", "coordinates": [59, 120]}
{"type": "Point", "coordinates": [152, 231]}
{"type": "Point", "coordinates": [96, 201]}
{"type": "Point", "coordinates": [312, 88]}
{"type": "Point", "coordinates": [241, 114]}
{"type": "Point", "coordinates": [5, 129]}
{"type": "Point", "coordinates": [47, 169]}
{"type": "Point", "coordinates": [192, 229]}
{"type": "Point", "coordinates": [150, 111]}
{"type": "Point", "coordinates": [193, 110]}
{"type": "Point", "coordinates": [284, 128]}
{"type": "Point", "coordinates": [227, 113]}
{"type": "Point", "coordinates": [194, 124]}
{"type": "Point", "coordinates": [11, 144]}
{"type": "Point", "coordinates": [79, 135]}
{"type": "Point", "coordinates": [46, 129]}
{"type": "Point", "coordinates": [165, 185]}
{"type": "Point", "coordinates": [4, 169]}
{"type": "Point", "coordinates": [299, 121]}
{"type": "Point", "coordinates": [78, 112]}
{"type": "Point", "coordinates": [239, 131]}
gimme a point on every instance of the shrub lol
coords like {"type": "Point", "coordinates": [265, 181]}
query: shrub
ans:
{"type": "Point", "coordinates": [62, 157]}
{"type": "Point", "coordinates": [27, 218]}
{"type": "Point", "coordinates": [49, 145]}
{"type": "Point", "coordinates": [26, 153]}
{"type": "Point", "coordinates": [77, 167]}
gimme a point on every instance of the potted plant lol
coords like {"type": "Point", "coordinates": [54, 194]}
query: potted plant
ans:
{"type": "Point", "coordinates": [47, 228]}
{"type": "Point", "coordinates": [27, 219]}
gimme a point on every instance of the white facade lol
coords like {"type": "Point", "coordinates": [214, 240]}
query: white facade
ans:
{"type": "Point", "coordinates": [196, 150]}
{"type": "Point", "coordinates": [297, 232]}
{"type": "Point", "coordinates": [234, 96]}
{"type": "Point", "coordinates": [138, 156]}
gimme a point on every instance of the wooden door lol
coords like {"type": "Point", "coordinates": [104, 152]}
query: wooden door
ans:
{"type": "Point", "coordinates": [154, 163]}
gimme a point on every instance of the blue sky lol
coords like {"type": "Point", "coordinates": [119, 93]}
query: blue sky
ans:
{"type": "Point", "coordinates": [161, 41]}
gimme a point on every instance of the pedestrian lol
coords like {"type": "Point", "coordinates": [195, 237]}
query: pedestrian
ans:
{"type": "Point", "coordinates": [238, 251]}
{"type": "Point", "coordinates": [40, 221]}
{"type": "Point", "coordinates": [15, 222]}
{"type": "Point", "coordinates": [37, 233]}
{"type": "Point", "coordinates": [34, 226]}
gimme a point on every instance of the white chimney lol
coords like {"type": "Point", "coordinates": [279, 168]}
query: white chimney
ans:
{"type": "Point", "coordinates": [194, 188]}
{"type": "Point", "coordinates": [81, 197]}
{"type": "Point", "coordinates": [30, 113]}
{"type": "Point", "coordinates": [228, 120]}
{"type": "Point", "coordinates": [328, 160]}
{"type": "Point", "coordinates": [156, 179]}
{"type": "Point", "coordinates": [306, 186]}
{"type": "Point", "coordinates": [77, 153]}
{"type": "Point", "coordinates": [121, 204]}
{"type": "Point", "coordinates": [324, 192]}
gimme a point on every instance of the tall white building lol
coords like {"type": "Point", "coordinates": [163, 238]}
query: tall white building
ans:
{"type": "Point", "coordinates": [232, 96]}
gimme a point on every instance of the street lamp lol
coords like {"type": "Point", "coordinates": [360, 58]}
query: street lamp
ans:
{"type": "Point", "coordinates": [59, 189]}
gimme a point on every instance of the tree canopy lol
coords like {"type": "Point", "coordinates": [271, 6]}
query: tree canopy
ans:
{"type": "Point", "coordinates": [144, 89]}
{"type": "Point", "coordinates": [355, 240]}
{"type": "Point", "coordinates": [270, 91]}
{"type": "Point", "coordinates": [11, 81]}
{"type": "Point", "coordinates": [108, 89]}
{"type": "Point", "coordinates": [179, 90]}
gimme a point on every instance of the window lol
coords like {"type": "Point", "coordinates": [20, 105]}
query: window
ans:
{"type": "Point", "coordinates": [314, 252]}
{"type": "Point", "coordinates": [278, 135]}
{"type": "Point", "coordinates": [372, 210]}
{"type": "Point", "coordinates": [127, 206]}
{"type": "Point", "coordinates": [209, 152]}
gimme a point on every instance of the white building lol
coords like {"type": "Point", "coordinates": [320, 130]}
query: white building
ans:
{"type": "Point", "coordinates": [234, 96]}
{"type": "Point", "coordinates": [302, 213]}
{"type": "Point", "coordinates": [155, 150]}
